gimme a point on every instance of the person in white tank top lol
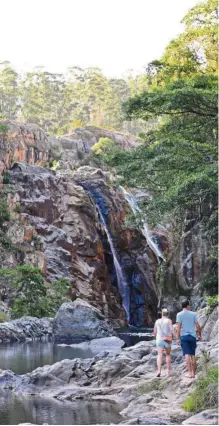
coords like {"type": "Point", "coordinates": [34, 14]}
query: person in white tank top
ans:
{"type": "Point", "coordinates": [163, 327]}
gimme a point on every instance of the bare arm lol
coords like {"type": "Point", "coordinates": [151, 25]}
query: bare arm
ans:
{"type": "Point", "coordinates": [171, 327]}
{"type": "Point", "coordinates": [199, 330]}
{"type": "Point", "coordinates": [179, 326]}
{"type": "Point", "coordinates": [155, 331]}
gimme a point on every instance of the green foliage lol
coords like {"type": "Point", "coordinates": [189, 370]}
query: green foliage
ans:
{"type": "Point", "coordinates": [9, 93]}
{"type": "Point", "coordinates": [177, 163]}
{"type": "Point", "coordinates": [32, 296]}
{"type": "Point", "coordinates": [4, 213]}
{"type": "Point", "coordinates": [6, 178]}
{"type": "Point", "coordinates": [61, 103]}
{"type": "Point", "coordinates": [205, 394]}
{"type": "Point", "coordinates": [30, 290]}
{"type": "Point", "coordinates": [3, 317]}
{"type": "Point", "coordinates": [212, 302]}
{"type": "Point", "coordinates": [17, 208]}
{"type": "Point", "coordinates": [105, 147]}
{"type": "Point", "coordinates": [209, 283]}
{"type": "Point", "coordinates": [5, 242]}
{"type": "Point", "coordinates": [3, 128]}
{"type": "Point", "coordinates": [57, 294]}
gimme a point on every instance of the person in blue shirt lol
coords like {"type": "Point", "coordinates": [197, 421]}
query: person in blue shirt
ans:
{"type": "Point", "coordinates": [187, 324]}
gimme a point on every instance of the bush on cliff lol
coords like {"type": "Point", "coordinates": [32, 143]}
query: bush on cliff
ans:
{"type": "Point", "coordinates": [32, 297]}
{"type": "Point", "coordinates": [4, 213]}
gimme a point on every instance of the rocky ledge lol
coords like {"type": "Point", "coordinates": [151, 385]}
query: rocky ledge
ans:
{"type": "Point", "coordinates": [25, 328]}
{"type": "Point", "coordinates": [125, 377]}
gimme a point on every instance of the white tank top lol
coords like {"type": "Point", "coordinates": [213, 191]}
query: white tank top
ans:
{"type": "Point", "coordinates": [163, 328]}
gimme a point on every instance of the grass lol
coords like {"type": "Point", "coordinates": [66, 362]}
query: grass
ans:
{"type": "Point", "coordinates": [150, 386]}
{"type": "Point", "coordinates": [205, 394]}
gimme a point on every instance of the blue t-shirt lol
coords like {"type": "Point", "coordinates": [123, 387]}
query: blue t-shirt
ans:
{"type": "Point", "coordinates": [188, 320]}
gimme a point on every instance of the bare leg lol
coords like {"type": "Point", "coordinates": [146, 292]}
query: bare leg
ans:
{"type": "Point", "coordinates": [168, 360]}
{"type": "Point", "coordinates": [189, 365]}
{"type": "Point", "coordinates": [159, 360]}
{"type": "Point", "coordinates": [193, 365]}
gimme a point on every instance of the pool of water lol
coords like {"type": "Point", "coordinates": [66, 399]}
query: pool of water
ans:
{"type": "Point", "coordinates": [26, 356]}
{"type": "Point", "coordinates": [132, 335]}
{"type": "Point", "coordinates": [36, 410]}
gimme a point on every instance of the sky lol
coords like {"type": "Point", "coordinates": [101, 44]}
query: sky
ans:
{"type": "Point", "coordinates": [115, 35]}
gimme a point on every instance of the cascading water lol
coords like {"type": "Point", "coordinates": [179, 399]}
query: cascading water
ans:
{"type": "Point", "coordinates": [145, 230]}
{"type": "Point", "coordinates": [122, 283]}
{"type": "Point", "coordinates": [123, 286]}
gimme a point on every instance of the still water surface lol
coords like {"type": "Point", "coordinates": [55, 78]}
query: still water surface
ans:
{"type": "Point", "coordinates": [25, 357]}
{"type": "Point", "coordinates": [36, 410]}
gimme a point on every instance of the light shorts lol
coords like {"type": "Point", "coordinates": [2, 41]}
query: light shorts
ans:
{"type": "Point", "coordinates": [162, 344]}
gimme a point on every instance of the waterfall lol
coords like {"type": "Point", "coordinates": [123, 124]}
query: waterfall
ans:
{"type": "Point", "coordinates": [145, 230]}
{"type": "Point", "coordinates": [121, 280]}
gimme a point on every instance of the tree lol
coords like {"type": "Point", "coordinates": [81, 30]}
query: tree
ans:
{"type": "Point", "coordinates": [42, 99]}
{"type": "Point", "coordinates": [178, 161]}
{"type": "Point", "coordinates": [32, 297]}
{"type": "Point", "coordinates": [9, 91]}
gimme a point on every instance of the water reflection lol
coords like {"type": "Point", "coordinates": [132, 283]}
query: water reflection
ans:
{"type": "Point", "coordinates": [26, 356]}
{"type": "Point", "coordinates": [15, 410]}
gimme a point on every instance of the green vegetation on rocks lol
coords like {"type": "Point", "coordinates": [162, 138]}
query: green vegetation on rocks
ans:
{"type": "Point", "coordinates": [205, 394]}
{"type": "Point", "coordinates": [32, 296]}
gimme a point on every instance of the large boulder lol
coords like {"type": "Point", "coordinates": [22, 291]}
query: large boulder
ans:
{"type": "Point", "coordinates": [78, 321]}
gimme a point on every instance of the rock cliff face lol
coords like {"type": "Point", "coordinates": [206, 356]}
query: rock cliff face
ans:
{"type": "Point", "coordinates": [71, 147]}
{"type": "Point", "coordinates": [19, 142]}
{"type": "Point", "coordinates": [56, 224]}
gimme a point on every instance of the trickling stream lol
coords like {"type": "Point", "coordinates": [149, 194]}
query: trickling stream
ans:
{"type": "Point", "coordinates": [122, 283]}
{"type": "Point", "coordinates": [145, 230]}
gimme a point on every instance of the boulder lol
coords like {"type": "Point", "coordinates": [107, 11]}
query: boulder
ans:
{"type": "Point", "coordinates": [78, 321]}
{"type": "Point", "coordinates": [102, 346]}
{"type": "Point", "coordinates": [207, 417]}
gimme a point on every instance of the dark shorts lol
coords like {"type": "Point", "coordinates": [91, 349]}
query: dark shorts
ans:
{"type": "Point", "coordinates": [188, 344]}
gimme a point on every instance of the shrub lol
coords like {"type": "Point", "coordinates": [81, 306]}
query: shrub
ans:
{"type": "Point", "coordinates": [3, 317]}
{"type": "Point", "coordinates": [3, 129]}
{"type": "Point", "coordinates": [212, 302]}
{"type": "Point", "coordinates": [205, 394]}
{"type": "Point", "coordinates": [17, 208]}
{"type": "Point", "coordinates": [5, 241]}
{"type": "Point", "coordinates": [32, 297]}
{"type": "Point", "coordinates": [6, 178]}
{"type": "Point", "coordinates": [105, 146]}
{"type": "Point", "coordinates": [4, 213]}
{"type": "Point", "coordinates": [210, 284]}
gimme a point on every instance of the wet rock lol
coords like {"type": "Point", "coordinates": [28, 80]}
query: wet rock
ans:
{"type": "Point", "coordinates": [25, 328]}
{"type": "Point", "coordinates": [207, 417]}
{"type": "Point", "coordinates": [78, 321]}
{"type": "Point", "coordinates": [147, 421]}
{"type": "Point", "coordinates": [102, 346]}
